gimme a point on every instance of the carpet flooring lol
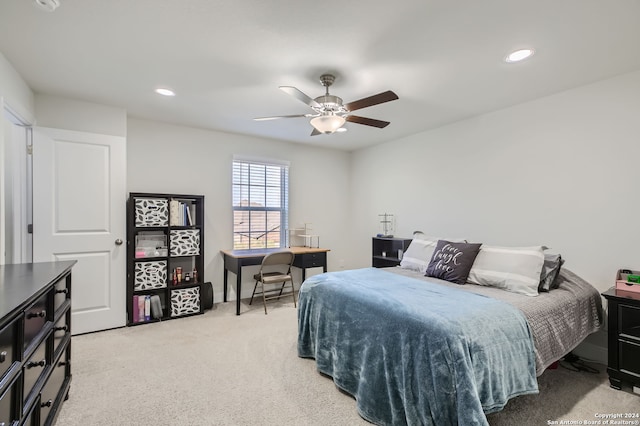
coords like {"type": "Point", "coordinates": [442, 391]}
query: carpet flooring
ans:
{"type": "Point", "coordinates": [222, 369]}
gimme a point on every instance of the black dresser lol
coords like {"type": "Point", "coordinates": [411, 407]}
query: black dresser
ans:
{"type": "Point", "coordinates": [624, 337]}
{"type": "Point", "coordinates": [35, 341]}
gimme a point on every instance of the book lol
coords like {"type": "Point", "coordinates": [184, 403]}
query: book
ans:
{"type": "Point", "coordinates": [188, 211]}
{"type": "Point", "coordinates": [192, 213]}
{"type": "Point", "coordinates": [147, 308]}
{"type": "Point", "coordinates": [174, 213]}
{"type": "Point", "coordinates": [135, 316]}
{"type": "Point", "coordinates": [140, 308]}
{"type": "Point", "coordinates": [156, 307]}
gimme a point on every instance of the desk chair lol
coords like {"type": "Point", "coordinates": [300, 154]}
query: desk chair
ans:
{"type": "Point", "coordinates": [275, 269]}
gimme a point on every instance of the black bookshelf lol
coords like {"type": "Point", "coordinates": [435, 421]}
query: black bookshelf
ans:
{"type": "Point", "coordinates": [165, 256]}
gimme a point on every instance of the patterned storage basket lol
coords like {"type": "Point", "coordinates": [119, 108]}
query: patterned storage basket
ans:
{"type": "Point", "coordinates": [152, 212]}
{"type": "Point", "coordinates": [149, 275]}
{"type": "Point", "coordinates": [184, 242]}
{"type": "Point", "coordinates": [185, 301]}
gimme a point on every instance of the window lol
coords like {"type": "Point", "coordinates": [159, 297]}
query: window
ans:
{"type": "Point", "coordinates": [260, 204]}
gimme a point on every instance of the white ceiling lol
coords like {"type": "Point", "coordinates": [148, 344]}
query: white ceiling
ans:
{"type": "Point", "coordinates": [226, 59]}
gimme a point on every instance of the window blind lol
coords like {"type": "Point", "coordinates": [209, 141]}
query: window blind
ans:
{"type": "Point", "coordinates": [260, 204]}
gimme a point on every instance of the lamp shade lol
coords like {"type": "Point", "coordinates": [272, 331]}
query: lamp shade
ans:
{"type": "Point", "coordinates": [327, 123]}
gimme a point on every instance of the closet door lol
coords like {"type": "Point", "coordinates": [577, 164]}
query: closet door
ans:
{"type": "Point", "coordinates": [79, 212]}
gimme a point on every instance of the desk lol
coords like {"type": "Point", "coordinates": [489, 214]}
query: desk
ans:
{"type": "Point", "coordinates": [234, 260]}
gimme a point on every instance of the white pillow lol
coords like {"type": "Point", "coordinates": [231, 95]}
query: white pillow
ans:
{"type": "Point", "coordinates": [418, 254]}
{"type": "Point", "coordinates": [515, 269]}
{"type": "Point", "coordinates": [420, 251]}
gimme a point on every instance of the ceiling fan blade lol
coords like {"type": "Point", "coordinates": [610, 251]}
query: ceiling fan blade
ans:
{"type": "Point", "coordinates": [315, 132]}
{"type": "Point", "coordinates": [300, 96]}
{"type": "Point", "coordinates": [367, 121]}
{"type": "Point", "coordinates": [282, 116]}
{"type": "Point", "coordinates": [372, 100]}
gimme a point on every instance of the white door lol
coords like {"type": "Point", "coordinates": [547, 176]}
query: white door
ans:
{"type": "Point", "coordinates": [79, 210]}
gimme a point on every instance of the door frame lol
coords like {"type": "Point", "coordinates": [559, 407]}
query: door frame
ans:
{"type": "Point", "coordinates": [21, 191]}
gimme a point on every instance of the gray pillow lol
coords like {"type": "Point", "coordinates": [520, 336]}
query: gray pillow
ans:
{"type": "Point", "coordinates": [452, 261]}
{"type": "Point", "coordinates": [555, 283]}
{"type": "Point", "coordinates": [514, 269]}
{"type": "Point", "coordinates": [550, 271]}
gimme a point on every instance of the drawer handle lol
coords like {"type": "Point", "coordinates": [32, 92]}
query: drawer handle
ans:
{"type": "Point", "coordinates": [64, 290]}
{"type": "Point", "coordinates": [64, 327]}
{"type": "Point", "coordinates": [3, 357]}
{"type": "Point", "coordinates": [49, 403]}
{"type": "Point", "coordinates": [32, 364]}
{"type": "Point", "coordinates": [40, 314]}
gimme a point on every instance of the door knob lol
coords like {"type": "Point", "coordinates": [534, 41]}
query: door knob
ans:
{"type": "Point", "coordinates": [118, 242]}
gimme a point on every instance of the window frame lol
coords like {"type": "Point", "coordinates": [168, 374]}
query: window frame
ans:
{"type": "Point", "coordinates": [283, 208]}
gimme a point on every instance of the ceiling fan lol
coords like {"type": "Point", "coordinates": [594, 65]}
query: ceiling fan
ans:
{"type": "Point", "coordinates": [329, 113]}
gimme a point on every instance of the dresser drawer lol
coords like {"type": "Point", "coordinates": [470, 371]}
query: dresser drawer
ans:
{"type": "Point", "coordinates": [35, 317]}
{"type": "Point", "coordinates": [31, 418]}
{"type": "Point", "coordinates": [9, 404]}
{"type": "Point", "coordinates": [629, 358]}
{"type": "Point", "coordinates": [310, 260]}
{"type": "Point", "coordinates": [54, 387]}
{"type": "Point", "coordinates": [9, 353]}
{"type": "Point", "coordinates": [61, 330]}
{"type": "Point", "coordinates": [629, 322]}
{"type": "Point", "coordinates": [60, 294]}
{"type": "Point", "coordinates": [33, 368]}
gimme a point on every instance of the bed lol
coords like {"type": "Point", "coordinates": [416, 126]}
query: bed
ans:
{"type": "Point", "coordinates": [419, 350]}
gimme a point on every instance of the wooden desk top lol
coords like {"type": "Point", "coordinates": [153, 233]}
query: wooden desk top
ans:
{"type": "Point", "coordinates": [262, 252]}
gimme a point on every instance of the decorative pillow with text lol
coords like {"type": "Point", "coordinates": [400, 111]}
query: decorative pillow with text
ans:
{"type": "Point", "coordinates": [420, 252]}
{"type": "Point", "coordinates": [452, 261]}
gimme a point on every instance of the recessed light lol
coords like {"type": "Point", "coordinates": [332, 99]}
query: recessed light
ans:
{"type": "Point", "coordinates": [165, 92]}
{"type": "Point", "coordinates": [518, 55]}
{"type": "Point", "coordinates": [341, 129]}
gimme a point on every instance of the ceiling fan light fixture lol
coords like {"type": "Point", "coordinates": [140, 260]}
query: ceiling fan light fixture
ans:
{"type": "Point", "coordinates": [47, 5]}
{"type": "Point", "coordinates": [329, 113]}
{"type": "Point", "coordinates": [327, 123]}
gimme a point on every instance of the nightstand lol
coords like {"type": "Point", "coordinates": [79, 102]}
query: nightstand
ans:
{"type": "Point", "coordinates": [387, 252]}
{"type": "Point", "coordinates": [624, 337]}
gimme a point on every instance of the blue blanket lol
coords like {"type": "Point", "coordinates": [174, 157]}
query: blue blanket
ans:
{"type": "Point", "coordinates": [414, 352]}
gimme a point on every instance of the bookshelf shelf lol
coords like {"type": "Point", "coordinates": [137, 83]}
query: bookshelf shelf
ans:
{"type": "Point", "coordinates": [387, 252]}
{"type": "Point", "coordinates": [165, 245]}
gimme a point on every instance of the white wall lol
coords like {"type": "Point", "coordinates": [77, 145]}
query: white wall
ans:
{"type": "Point", "coordinates": [559, 171]}
{"type": "Point", "coordinates": [168, 158]}
{"type": "Point", "coordinates": [15, 93]}
{"type": "Point", "coordinates": [71, 114]}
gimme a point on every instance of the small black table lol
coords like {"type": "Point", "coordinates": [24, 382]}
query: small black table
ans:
{"type": "Point", "coordinates": [234, 260]}
{"type": "Point", "coordinates": [624, 337]}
